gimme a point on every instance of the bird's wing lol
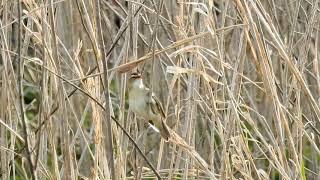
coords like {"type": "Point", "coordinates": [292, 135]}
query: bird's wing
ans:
{"type": "Point", "coordinates": [155, 105]}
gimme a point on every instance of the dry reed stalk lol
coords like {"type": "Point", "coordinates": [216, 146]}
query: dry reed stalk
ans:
{"type": "Point", "coordinates": [239, 80]}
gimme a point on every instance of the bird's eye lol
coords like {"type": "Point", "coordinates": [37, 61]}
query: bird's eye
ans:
{"type": "Point", "coordinates": [135, 75]}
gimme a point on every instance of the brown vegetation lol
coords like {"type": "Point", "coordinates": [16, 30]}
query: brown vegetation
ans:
{"type": "Point", "coordinates": [238, 79]}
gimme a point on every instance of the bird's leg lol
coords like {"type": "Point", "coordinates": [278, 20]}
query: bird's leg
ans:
{"type": "Point", "coordinates": [142, 136]}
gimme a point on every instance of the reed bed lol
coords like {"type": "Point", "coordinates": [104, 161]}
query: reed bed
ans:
{"type": "Point", "coordinates": [238, 79]}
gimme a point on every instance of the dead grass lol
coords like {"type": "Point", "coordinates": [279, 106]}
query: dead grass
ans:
{"type": "Point", "coordinates": [239, 81]}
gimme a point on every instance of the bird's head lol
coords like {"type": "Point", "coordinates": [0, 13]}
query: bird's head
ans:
{"type": "Point", "coordinates": [135, 80]}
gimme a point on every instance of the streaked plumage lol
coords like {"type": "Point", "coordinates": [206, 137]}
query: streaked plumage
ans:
{"type": "Point", "coordinates": [145, 104]}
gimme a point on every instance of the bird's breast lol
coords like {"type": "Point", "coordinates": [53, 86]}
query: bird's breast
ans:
{"type": "Point", "coordinates": [138, 103]}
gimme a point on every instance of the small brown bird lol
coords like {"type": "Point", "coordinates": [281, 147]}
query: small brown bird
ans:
{"type": "Point", "coordinates": [144, 103]}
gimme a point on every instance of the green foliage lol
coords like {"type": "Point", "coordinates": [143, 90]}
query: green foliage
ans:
{"type": "Point", "coordinates": [303, 172]}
